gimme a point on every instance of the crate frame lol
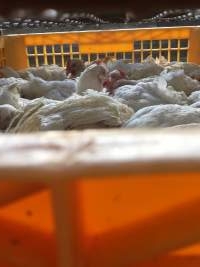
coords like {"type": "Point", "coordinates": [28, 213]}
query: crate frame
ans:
{"type": "Point", "coordinates": [96, 44]}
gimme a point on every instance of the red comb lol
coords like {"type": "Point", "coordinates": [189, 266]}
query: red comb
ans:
{"type": "Point", "coordinates": [106, 84]}
{"type": "Point", "coordinates": [98, 62]}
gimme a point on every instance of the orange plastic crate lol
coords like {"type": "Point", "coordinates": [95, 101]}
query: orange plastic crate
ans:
{"type": "Point", "coordinates": [41, 48]}
{"type": "Point", "coordinates": [100, 198]}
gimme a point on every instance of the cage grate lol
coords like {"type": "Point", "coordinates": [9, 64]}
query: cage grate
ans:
{"type": "Point", "coordinates": [172, 50]}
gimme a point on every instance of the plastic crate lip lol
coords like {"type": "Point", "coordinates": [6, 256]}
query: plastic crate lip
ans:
{"type": "Point", "coordinates": [65, 155]}
{"type": "Point", "coordinates": [105, 30]}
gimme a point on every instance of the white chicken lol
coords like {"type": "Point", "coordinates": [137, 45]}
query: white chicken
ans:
{"type": "Point", "coordinates": [164, 116]}
{"type": "Point", "coordinates": [194, 97]}
{"type": "Point", "coordinates": [92, 77]}
{"type": "Point", "coordinates": [180, 81]}
{"type": "Point", "coordinates": [11, 80]}
{"type": "Point", "coordinates": [58, 90]}
{"type": "Point", "coordinates": [190, 69]}
{"type": "Point", "coordinates": [45, 72]}
{"type": "Point", "coordinates": [136, 71]}
{"type": "Point", "coordinates": [7, 112]}
{"type": "Point", "coordinates": [93, 110]}
{"type": "Point", "coordinates": [162, 61]}
{"type": "Point", "coordinates": [116, 79]}
{"type": "Point", "coordinates": [196, 105]}
{"type": "Point", "coordinates": [28, 108]}
{"type": "Point", "coordinates": [7, 72]}
{"type": "Point", "coordinates": [195, 75]}
{"type": "Point", "coordinates": [9, 94]}
{"type": "Point", "coordinates": [145, 94]}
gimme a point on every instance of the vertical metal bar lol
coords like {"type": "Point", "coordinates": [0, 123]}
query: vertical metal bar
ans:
{"type": "Point", "coordinates": [133, 57]}
{"type": "Point", "coordinates": [160, 49]}
{"type": "Point", "coordinates": [62, 56]}
{"type": "Point", "coordinates": [133, 54]}
{"type": "Point", "coordinates": [151, 48]}
{"type": "Point", "coordinates": [45, 55]}
{"type": "Point", "coordinates": [53, 54]}
{"type": "Point", "coordinates": [188, 51]}
{"type": "Point", "coordinates": [178, 51]}
{"type": "Point", "coordinates": [70, 51]}
{"type": "Point", "coordinates": [36, 56]}
{"type": "Point", "coordinates": [169, 51]}
{"type": "Point", "coordinates": [141, 52]}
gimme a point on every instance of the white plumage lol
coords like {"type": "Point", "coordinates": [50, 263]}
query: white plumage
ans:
{"type": "Point", "coordinates": [49, 101]}
{"type": "Point", "coordinates": [147, 79]}
{"type": "Point", "coordinates": [46, 72]}
{"type": "Point", "coordinates": [12, 80]}
{"type": "Point", "coordinates": [121, 65]}
{"type": "Point", "coordinates": [7, 112]}
{"type": "Point", "coordinates": [143, 70]}
{"type": "Point", "coordinates": [150, 93]}
{"type": "Point", "coordinates": [194, 97]}
{"type": "Point", "coordinates": [9, 72]}
{"type": "Point", "coordinates": [92, 78]}
{"type": "Point", "coordinates": [164, 116]}
{"type": "Point", "coordinates": [28, 108]}
{"type": "Point", "coordinates": [188, 68]}
{"type": "Point", "coordinates": [196, 105]}
{"type": "Point", "coordinates": [58, 90]}
{"type": "Point", "coordinates": [93, 110]}
{"type": "Point", "coordinates": [180, 81]}
{"type": "Point", "coordinates": [9, 94]}
{"type": "Point", "coordinates": [136, 71]}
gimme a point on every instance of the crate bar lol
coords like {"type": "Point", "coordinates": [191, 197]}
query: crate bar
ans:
{"type": "Point", "coordinates": [68, 234]}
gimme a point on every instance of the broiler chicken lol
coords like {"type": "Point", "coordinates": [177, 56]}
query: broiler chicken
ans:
{"type": "Point", "coordinates": [37, 87]}
{"type": "Point", "coordinates": [45, 72]}
{"type": "Point", "coordinates": [117, 78]}
{"type": "Point", "coordinates": [9, 94]}
{"type": "Point", "coordinates": [164, 116]}
{"type": "Point", "coordinates": [92, 77]}
{"type": "Point", "coordinates": [7, 72]}
{"type": "Point", "coordinates": [93, 110]}
{"type": "Point", "coordinates": [180, 81]}
{"type": "Point", "coordinates": [74, 67]}
{"type": "Point", "coordinates": [149, 93]}
{"type": "Point", "coordinates": [7, 112]}
{"type": "Point", "coordinates": [136, 71]}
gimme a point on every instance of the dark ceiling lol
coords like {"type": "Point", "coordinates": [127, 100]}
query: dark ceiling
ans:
{"type": "Point", "coordinates": [141, 9]}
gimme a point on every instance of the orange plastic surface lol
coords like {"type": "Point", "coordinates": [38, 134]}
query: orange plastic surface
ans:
{"type": "Point", "coordinates": [27, 233]}
{"type": "Point", "coordinates": [108, 204]}
{"type": "Point", "coordinates": [105, 206]}
{"type": "Point", "coordinates": [99, 41]}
